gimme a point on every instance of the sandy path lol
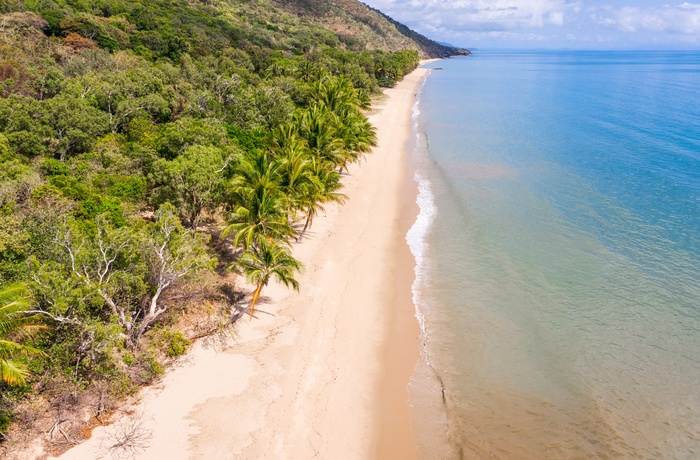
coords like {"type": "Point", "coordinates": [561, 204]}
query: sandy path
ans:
{"type": "Point", "coordinates": [302, 379]}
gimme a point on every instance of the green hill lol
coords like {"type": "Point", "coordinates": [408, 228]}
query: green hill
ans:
{"type": "Point", "coordinates": [359, 26]}
{"type": "Point", "coordinates": [168, 28]}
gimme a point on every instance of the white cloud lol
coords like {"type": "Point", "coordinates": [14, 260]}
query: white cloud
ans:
{"type": "Point", "coordinates": [553, 22]}
{"type": "Point", "coordinates": [556, 18]}
{"type": "Point", "coordinates": [681, 19]}
{"type": "Point", "coordinates": [479, 14]}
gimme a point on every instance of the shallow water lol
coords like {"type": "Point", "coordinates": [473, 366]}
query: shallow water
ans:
{"type": "Point", "coordinates": [559, 256]}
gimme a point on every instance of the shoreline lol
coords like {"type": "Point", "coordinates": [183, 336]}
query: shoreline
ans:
{"type": "Point", "coordinates": [402, 355]}
{"type": "Point", "coordinates": [402, 348]}
{"type": "Point", "coordinates": [308, 376]}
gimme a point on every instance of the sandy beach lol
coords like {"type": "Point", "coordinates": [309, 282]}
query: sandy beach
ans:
{"type": "Point", "coordinates": [308, 376]}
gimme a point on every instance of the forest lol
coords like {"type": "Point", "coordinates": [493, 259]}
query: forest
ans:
{"type": "Point", "coordinates": [148, 149]}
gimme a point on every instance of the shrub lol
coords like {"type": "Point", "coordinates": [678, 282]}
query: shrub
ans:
{"type": "Point", "coordinates": [78, 42]}
{"type": "Point", "coordinates": [5, 421]}
{"type": "Point", "coordinates": [150, 368]}
{"type": "Point", "coordinates": [176, 344]}
{"type": "Point", "coordinates": [53, 167]}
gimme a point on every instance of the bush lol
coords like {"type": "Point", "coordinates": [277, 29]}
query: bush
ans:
{"type": "Point", "coordinates": [52, 167]}
{"type": "Point", "coordinates": [109, 33]}
{"type": "Point", "coordinates": [5, 421]}
{"type": "Point", "coordinates": [176, 344]}
{"type": "Point", "coordinates": [150, 368]}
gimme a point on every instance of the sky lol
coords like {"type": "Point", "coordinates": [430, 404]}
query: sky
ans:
{"type": "Point", "coordinates": [551, 24]}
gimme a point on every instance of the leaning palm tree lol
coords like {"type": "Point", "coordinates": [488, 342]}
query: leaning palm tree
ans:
{"type": "Point", "coordinates": [260, 215]}
{"type": "Point", "coordinates": [264, 260]}
{"type": "Point", "coordinates": [296, 174]}
{"type": "Point", "coordinates": [261, 208]}
{"type": "Point", "coordinates": [325, 186]}
{"type": "Point", "coordinates": [358, 137]}
{"type": "Point", "coordinates": [14, 323]}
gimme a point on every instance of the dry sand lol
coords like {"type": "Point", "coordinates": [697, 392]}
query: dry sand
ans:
{"type": "Point", "coordinates": [306, 378]}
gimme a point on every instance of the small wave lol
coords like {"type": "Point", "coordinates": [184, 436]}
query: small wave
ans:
{"type": "Point", "coordinates": [416, 105]}
{"type": "Point", "coordinates": [428, 386]}
{"type": "Point", "coordinates": [416, 239]}
{"type": "Point", "coordinates": [417, 235]}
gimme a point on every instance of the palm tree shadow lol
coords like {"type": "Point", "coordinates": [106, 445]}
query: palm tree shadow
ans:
{"type": "Point", "coordinates": [235, 299]}
{"type": "Point", "coordinates": [309, 235]}
{"type": "Point", "coordinates": [298, 226]}
{"type": "Point", "coordinates": [261, 301]}
{"type": "Point", "coordinates": [239, 305]}
{"type": "Point", "coordinates": [226, 253]}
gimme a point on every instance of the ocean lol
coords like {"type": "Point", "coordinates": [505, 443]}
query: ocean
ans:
{"type": "Point", "coordinates": [558, 256]}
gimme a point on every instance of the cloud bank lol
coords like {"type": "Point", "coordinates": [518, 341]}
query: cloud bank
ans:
{"type": "Point", "coordinates": [551, 23]}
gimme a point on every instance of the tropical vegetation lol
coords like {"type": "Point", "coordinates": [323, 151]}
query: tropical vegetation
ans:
{"type": "Point", "coordinates": [14, 322]}
{"type": "Point", "coordinates": [145, 148]}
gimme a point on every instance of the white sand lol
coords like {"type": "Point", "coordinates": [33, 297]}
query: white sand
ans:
{"type": "Point", "coordinates": [302, 379]}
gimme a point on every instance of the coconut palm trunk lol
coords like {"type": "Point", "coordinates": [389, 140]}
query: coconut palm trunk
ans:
{"type": "Point", "coordinates": [309, 216]}
{"type": "Point", "coordinates": [265, 260]}
{"type": "Point", "coordinates": [256, 294]}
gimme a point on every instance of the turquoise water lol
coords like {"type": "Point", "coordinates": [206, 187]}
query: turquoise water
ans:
{"type": "Point", "coordinates": [558, 256]}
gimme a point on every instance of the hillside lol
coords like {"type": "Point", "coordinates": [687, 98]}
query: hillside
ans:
{"type": "Point", "coordinates": [172, 27]}
{"type": "Point", "coordinates": [359, 26]}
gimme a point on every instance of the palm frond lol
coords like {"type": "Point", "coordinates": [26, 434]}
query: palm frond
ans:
{"type": "Point", "coordinates": [14, 301]}
{"type": "Point", "coordinates": [12, 372]}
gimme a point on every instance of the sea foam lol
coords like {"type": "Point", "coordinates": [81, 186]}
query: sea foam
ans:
{"type": "Point", "coordinates": [416, 237]}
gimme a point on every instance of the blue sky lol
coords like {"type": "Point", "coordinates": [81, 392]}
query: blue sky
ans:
{"type": "Point", "coordinates": [585, 24]}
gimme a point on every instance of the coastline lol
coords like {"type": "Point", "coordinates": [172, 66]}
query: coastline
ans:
{"type": "Point", "coordinates": [397, 421]}
{"type": "Point", "coordinates": [308, 377]}
{"type": "Point", "coordinates": [402, 348]}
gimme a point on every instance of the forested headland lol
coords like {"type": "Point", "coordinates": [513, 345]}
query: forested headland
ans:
{"type": "Point", "coordinates": [148, 149]}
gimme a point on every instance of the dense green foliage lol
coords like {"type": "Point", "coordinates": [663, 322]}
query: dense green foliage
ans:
{"type": "Point", "coordinates": [125, 127]}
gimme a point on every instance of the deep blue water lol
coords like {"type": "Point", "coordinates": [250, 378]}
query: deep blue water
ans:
{"type": "Point", "coordinates": [560, 277]}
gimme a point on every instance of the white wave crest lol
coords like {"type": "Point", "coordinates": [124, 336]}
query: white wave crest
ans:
{"type": "Point", "coordinates": [416, 238]}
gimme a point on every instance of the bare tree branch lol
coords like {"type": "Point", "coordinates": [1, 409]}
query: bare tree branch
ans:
{"type": "Point", "coordinates": [128, 437]}
{"type": "Point", "coordinates": [58, 318]}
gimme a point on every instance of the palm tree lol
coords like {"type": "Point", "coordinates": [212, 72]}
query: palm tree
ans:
{"type": "Point", "coordinates": [324, 189]}
{"type": "Point", "coordinates": [260, 209]}
{"type": "Point", "coordinates": [336, 94]}
{"type": "Point", "coordinates": [306, 71]}
{"type": "Point", "coordinates": [317, 126]}
{"type": "Point", "coordinates": [264, 260]}
{"type": "Point", "coordinates": [338, 104]}
{"type": "Point", "coordinates": [358, 137]}
{"type": "Point", "coordinates": [14, 323]}
{"type": "Point", "coordinates": [363, 99]}
{"type": "Point", "coordinates": [283, 136]}
{"type": "Point", "coordinates": [296, 175]}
